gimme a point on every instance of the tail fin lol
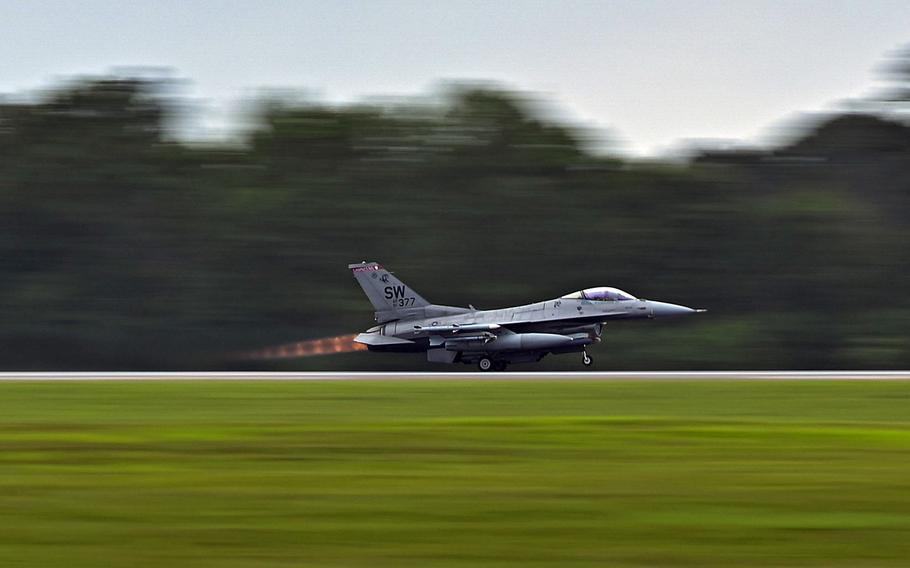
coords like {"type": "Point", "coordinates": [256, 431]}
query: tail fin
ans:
{"type": "Point", "coordinates": [392, 298]}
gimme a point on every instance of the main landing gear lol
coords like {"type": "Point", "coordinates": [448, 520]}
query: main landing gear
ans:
{"type": "Point", "coordinates": [586, 359]}
{"type": "Point", "coordinates": [486, 364]}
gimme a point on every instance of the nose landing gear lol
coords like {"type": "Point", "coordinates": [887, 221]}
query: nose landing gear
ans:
{"type": "Point", "coordinates": [586, 359]}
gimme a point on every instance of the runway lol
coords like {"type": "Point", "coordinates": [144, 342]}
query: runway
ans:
{"type": "Point", "coordinates": [429, 376]}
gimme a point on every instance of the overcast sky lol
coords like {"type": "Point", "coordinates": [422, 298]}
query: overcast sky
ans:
{"type": "Point", "coordinates": [651, 72]}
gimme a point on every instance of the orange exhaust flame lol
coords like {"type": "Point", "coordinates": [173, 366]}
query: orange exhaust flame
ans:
{"type": "Point", "coordinates": [323, 346]}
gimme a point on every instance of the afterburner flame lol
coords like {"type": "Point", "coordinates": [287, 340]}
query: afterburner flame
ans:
{"type": "Point", "coordinates": [309, 348]}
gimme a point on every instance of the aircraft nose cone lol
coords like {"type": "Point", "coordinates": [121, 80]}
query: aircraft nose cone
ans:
{"type": "Point", "coordinates": [663, 309]}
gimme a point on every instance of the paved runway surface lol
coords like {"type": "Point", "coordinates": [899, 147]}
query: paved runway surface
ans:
{"type": "Point", "coordinates": [520, 376]}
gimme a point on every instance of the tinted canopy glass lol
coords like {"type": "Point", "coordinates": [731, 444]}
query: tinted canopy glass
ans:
{"type": "Point", "coordinates": [573, 296]}
{"type": "Point", "coordinates": [605, 294]}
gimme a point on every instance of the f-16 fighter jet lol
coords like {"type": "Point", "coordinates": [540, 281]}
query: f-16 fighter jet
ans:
{"type": "Point", "coordinates": [492, 339]}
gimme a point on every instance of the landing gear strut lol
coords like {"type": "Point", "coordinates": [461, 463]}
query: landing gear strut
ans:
{"type": "Point", "coordinates": [586, 359]}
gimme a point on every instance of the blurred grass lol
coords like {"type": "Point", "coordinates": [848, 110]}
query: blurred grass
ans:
{"type": "Point", "coordinates": [411, 473]}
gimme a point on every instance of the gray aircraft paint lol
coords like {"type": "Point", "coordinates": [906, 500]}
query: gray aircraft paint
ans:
{"type": "Point", "coordinates": [448, 334]}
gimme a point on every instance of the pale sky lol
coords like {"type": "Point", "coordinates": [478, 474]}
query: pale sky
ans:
{"type": "Point", "coordinates": [649, 72]}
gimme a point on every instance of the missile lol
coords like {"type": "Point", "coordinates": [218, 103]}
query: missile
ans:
{"type": "Point", "coordinates": [455, 328]}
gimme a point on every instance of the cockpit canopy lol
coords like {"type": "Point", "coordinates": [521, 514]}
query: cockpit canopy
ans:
{"type": "Point", "coordinates": [601, 294]}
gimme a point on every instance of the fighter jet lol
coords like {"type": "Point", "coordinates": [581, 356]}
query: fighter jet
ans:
{"type": "Point", "coordinates": [492, 339]}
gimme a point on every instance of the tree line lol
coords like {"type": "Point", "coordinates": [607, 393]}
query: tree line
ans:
{"type": "Point", "coordinates": [125, 246]}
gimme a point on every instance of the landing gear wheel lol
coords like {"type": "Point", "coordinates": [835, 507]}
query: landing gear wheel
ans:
{"type": "Point", "coordinates": [485, 364]}
{"type": "Point", "coordinates": [586, 359]}
{"type": "Point", "coordinates": [500, 366]}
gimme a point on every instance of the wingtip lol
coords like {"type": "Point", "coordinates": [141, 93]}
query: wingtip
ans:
{"type": "Point", "coordinates": [364, 266]}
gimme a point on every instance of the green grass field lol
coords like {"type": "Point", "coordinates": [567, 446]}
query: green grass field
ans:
{"type": "Point", "coordinates": [473, 473]}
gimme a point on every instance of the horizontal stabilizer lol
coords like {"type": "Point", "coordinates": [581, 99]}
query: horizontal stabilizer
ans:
{"type": "Point", "coordinates": [376, 339]}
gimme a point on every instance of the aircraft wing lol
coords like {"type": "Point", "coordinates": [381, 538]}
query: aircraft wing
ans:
{"type": "Point", "coordinates": [385, 340]}
{"type": "Point", "coordinates": [492, 329]}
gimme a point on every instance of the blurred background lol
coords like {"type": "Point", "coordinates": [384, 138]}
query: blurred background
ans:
{"type": "Point", "coordinates": [137, 232]}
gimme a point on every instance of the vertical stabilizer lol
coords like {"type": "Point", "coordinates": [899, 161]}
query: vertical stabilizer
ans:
{"type": "Point", "coordinates": [392, 298]}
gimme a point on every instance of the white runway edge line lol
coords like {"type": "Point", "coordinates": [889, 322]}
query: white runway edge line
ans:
{"type": "Point", "coordinates": [430, 376]}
